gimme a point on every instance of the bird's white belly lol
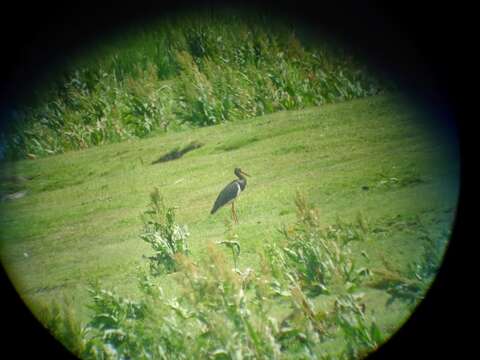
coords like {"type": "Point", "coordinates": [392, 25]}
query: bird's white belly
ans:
{"type": "Point", "coordinates": [239, 190]}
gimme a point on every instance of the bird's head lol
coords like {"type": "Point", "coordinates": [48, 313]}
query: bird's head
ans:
{"type": "Point", "coordinates": [239, 172]}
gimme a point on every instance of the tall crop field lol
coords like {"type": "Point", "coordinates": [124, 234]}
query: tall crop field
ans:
{"type": "Point", "coordinates": [183, 72]}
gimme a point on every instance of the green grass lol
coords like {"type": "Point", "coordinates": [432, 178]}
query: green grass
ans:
{"type": "Point", "coordinates": [80, 219]}
{"type": "Point", "coordinates": [193, 70]}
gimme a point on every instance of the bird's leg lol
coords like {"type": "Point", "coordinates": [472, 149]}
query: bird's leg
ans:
{"type": "Point", "coordinates": [234, 212]}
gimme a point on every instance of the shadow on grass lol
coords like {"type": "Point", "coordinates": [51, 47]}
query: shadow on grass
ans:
{"type": "Point", "coordinates": [177, 153]}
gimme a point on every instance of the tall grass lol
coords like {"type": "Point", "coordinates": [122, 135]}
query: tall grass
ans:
{"type": "Point", "coordinates": [198, 70]}
{"type": "Point", "coordinates": [305, 300]}
{"type": "Point", "coordinates": [220, 311]}
{"type": "Point", "coordinates": [320, 260]}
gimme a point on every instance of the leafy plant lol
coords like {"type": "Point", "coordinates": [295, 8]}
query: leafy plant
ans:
{"type": "Point", "coordinates": [231, 242]}
{"type": "Point", "coordinates": [115, 330]}
{"type": "Point", "coordinates": [61, 321]}
{"type": "Point", "coordinates": [317, 258]}
{"type": "Point", "coordinates": [164, 235]}
{"type": "Point", "coordinates": [362, 336]}
{"type": "Point", "coordinates": [235, 247]}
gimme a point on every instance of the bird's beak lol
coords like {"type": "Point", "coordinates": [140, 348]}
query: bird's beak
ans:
{"type": "Point", "coordinates": [244, 173]}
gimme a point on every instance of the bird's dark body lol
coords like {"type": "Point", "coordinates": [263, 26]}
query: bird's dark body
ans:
{"type": "Point", "coordinates": [230, 192]}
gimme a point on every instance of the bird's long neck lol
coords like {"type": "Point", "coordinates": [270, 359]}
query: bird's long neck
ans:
{"type": "Point", "coordinates": [242, 181]}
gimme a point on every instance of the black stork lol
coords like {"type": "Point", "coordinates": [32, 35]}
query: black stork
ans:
{"type": "Point", "coordinates": [231, 192]}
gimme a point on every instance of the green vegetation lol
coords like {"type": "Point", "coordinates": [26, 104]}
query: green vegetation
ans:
{"type": "Point", "coordinates": [329, 273]}
{"type": "Point", "coordinates": [223, 312]}
{"type": "Point", "coordinates": [166, 238]}
{"type": "Point", "coordinates": [187, 71]}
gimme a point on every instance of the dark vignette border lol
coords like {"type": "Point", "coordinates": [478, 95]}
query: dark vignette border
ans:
{"type": "Point", "coordinates": [419, 44]}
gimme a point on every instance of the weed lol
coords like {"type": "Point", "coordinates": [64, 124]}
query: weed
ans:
{"type": "Point", "coordinates": [235, 247]}
{"type": "Point", "coordinates": [361, 335]}
{"type": "Point", "coordinates": [115, 329]}
{"type": "Point", "coordinates": [164, 235]}
{"type": "Point", "coordinates": [61, 321]}
{"type": "Point", "coordinates": [317, 258]}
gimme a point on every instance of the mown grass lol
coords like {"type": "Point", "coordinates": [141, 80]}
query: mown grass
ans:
{"type": "Point", "coordinates": [195, 70]}
{"type": "Point", "coordinates": [80, 219]}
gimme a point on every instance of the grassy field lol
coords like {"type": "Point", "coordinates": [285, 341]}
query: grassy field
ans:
{"type": "Point", "coordinates": [373, 157]}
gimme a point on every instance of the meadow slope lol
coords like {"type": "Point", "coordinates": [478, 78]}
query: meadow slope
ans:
{"type": "Point", "coordinates": [375, 156]}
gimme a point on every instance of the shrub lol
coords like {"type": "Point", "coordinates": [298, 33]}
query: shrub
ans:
{"type": "Point", "coordinates": [116, 329]}
{"type": "Point", "coordinates": [164, 235]}
{"type": "Point", "coordinates": [318, 259]}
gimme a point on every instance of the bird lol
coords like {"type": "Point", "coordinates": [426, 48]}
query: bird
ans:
{"type": "Point", "coordinates": [231, 192]}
